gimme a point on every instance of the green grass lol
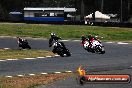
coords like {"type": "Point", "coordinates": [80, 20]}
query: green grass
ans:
{"type": "Point", "coordinates": [65, 31]}
{"type": "Point", "coordinates": [20, 54]}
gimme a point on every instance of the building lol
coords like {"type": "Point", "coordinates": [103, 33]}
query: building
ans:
{"type": "Point", "coordinates": [49, 14]}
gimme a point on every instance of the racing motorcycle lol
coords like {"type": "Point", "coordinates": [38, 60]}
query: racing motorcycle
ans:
{"type": "Point", "coordinates": [60, 49]}
{"type": "Point", "coordinates": [95, 46]}
{"type": "Point", "coordinates": [24, 45]}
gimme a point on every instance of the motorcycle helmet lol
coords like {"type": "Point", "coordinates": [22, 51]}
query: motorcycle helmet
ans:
{"type": "Point", "coordinates": [96, 36]}
{"type": "Point", "coordinates": [83, 37]}
{"type": "Point", "coordinates": [17, 37]}
{"type": "Point", "coordinates": [90, 35]}
{"type": "Point", "coordinates": [52, 34]}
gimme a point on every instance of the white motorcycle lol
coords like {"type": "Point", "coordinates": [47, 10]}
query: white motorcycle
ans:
{"type": "Point", "coordinates": [95, 46]}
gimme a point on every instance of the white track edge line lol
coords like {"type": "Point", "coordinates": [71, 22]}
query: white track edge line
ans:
{"type": "Point", "coordinates": [31, 74]}
{"type": "Point", "coordinates": [57, 72]}
{"type": "Point", "coordinates": [44, 73]}
{"type": "Point", "coordinates": [9, 76]}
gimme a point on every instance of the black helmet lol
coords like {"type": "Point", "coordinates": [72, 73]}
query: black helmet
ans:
{"type": "Point", "coordinates": [83, 37]}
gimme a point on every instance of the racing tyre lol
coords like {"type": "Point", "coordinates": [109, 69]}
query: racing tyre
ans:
{"type": "Point", "coordinates": [68, 53]}
{"type": "Point", "coordinates": [29, 47]}
{"type": "Point", "coordinates": [103, 51]}
{"type": "Point", "coordinates": [82, 80]}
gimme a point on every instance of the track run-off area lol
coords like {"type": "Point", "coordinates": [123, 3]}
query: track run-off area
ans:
{"type": "Point", "coordinates": [116, 60]}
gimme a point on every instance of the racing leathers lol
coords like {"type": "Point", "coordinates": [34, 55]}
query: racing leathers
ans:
{"type": "Point", "coordinates": [53, 39]}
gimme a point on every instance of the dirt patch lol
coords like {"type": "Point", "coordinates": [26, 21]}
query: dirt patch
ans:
{"type": "Point", "coordinates": [31, 81]}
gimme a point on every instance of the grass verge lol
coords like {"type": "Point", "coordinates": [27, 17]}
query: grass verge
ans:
{"type": "Point", "coordinates": [31, 81]}
{"type": "Point", "coordinates": [65, 31]}
{"type": "Point", "coordinates": [20, 54]}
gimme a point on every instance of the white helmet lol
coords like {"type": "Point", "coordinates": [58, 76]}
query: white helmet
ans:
{"type": "Point", "coordinates": [96, 36]}
{"type": "Point", "coordinates": [52, 33]}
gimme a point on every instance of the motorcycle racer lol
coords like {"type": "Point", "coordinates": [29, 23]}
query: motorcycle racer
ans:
{"type": "Point", "coordinates": [53, 39]}
{"type": "Point", "coordinates": [83, 38]}
{"type": "Point", "coordinates": [23, 43]}
{"type": "Point", "coordinates": [88, 42]}
{"type": "Point", "coordinates": [92, 44]}
{"type": "Point", "coordinates": [20, 41]}
{"type": "Point", "coordinates": [91, 38]}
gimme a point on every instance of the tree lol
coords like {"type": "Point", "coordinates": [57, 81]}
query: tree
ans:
{"type": "Point", "coordinates": [3, 14]}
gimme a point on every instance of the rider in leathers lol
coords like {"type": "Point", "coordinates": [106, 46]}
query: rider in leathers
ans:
{"type": "Point", "coordinates": [53, 39]}
{"type": "Point", "coordinates": [20, 41]}
{"type": "Point", "coordinates": [83, 38]}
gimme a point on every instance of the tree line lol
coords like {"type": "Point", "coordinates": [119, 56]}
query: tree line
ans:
{"type": "Point", "coordinates": [85, 8]}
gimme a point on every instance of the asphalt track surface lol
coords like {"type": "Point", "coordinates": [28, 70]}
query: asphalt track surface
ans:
{"type": "Point", "coordinates": [117, 59]}
{"type": "Point", "coordinates": [72, 83]}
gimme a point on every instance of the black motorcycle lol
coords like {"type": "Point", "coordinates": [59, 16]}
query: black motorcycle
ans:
{"type": "Point", "coordinates": [24, 45]}
{"type": "Point", "coordinates": [60, 49]}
